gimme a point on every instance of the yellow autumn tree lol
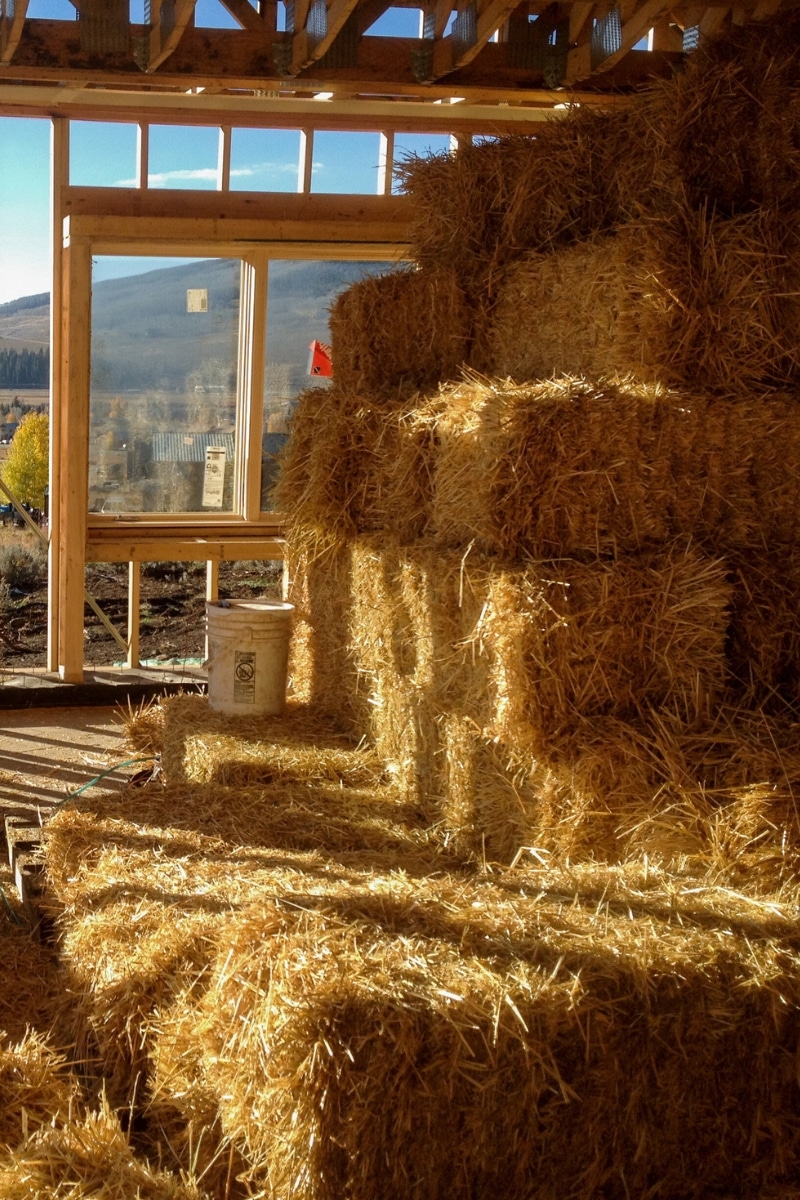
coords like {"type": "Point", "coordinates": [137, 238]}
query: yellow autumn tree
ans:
{"type": "Point", "coordinates": [25, 468]}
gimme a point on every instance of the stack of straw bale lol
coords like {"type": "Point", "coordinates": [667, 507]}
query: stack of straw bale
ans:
{"type": "Point", "coordinates": [636, 275]}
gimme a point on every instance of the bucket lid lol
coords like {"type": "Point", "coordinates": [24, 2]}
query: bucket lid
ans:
{"type": "Point", "coordinates": [251, 605]}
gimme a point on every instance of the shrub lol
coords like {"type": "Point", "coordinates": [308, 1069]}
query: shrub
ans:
{"type": "Point", "coordinates": [21, 569]}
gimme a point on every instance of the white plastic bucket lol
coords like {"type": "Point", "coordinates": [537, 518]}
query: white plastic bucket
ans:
{"type": "Point", "coordinates": [248, 656]}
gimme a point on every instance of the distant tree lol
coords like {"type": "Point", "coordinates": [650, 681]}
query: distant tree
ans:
{"type": "Point", "coordinates": [25, 468]}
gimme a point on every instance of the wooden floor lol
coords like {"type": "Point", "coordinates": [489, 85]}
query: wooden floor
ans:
{"type": "Point", "coordinates": [47, 753]}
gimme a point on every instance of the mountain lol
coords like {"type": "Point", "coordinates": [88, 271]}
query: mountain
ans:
{"type": "Point", "coordinates": [144, 336]}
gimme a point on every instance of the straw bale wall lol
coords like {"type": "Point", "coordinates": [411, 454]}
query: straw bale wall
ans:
{"type": "Point", "coordinates": [405, 329]}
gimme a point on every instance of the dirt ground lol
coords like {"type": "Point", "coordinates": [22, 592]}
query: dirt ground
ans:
{"type": "Point", "coordinates": [171, 615]}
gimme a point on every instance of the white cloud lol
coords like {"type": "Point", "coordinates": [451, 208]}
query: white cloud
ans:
{"type": "Point", "coordinates": [162, 179]}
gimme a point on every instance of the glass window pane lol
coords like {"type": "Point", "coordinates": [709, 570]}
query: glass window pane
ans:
{"type": "Point", "coordinates": [299, 297]}
{"type": "Point", "coordinates": [183, 156]}
{"type": "Point", "coordinates": [102, 154]}
{"type": "Point", "coordinates": [345, 163]}
{"type": "Point", "coordinates": [25, 238]}
{"type": "Point", "coordinates": [264, 160]}
{"type": "Point", "coordinates": [163, 385]}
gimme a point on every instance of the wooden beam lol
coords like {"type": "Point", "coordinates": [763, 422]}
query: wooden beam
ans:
{"type": "Point", "coordinates": [11, 30]}
{"type": "Point", "coordinates": [667, 36]}
{"type": "Point", "coordinates": [579, 15]}
{"type": "Point", "coordinates": [712, 21]}
{"type": "Point", "coordinates": [245, 14]}
{"type": "Point", "coordinates": [491, 15]}
{"type": "Point", "coordinates": [304, 51]}
{"type": "Point", "coordinates": [638, 23]}
{"type": "Point", "coordinates": [369, 11]}
{"type": "Point", "coordinates": [164, 41]}
{"type": "Point", "coordinates": [442, 12]}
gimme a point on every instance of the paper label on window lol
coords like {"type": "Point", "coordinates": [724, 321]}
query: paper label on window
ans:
{"type": "Point", "coordinates": [214, 477]}
{"type": "Point", "coordinates": [197, 299]}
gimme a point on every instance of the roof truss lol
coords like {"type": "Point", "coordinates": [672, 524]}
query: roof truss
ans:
{"type": "Point", "coordinates": [485, 51]}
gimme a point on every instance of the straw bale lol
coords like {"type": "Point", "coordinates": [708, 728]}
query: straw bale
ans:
{"type": "Point", "coordinates": [483, 206]}
{"type": "Point", "coordinates": [146, 882]}
{"type": "Point", "coordinates": [35, 1087]}
{"type": "Point", "coordinates": [724, 300]}
{"type": "Point", "coordinates": [576, 311]}
{"type": "Point", "coordinates": [554, 467]}
{"type": "Point", "coordinates": [764, 641]}
{"type": "Point", "coordinates": [205, 746]}
{"type": "Point", "coordinates": [353, 463]}
{"type": "Point", "coordinates": [527, 656]}
{"type": "Point", "coordinates": [408, 328]}
{"type": "Point", "coordinates": [566, 466]}
{"type": "Point", "coordinates": [720, 802]}
{"type": "Point", "coordinates": [28, 992]}
{"type": "Point", "coordinates": [414, 612]}
{"type": "Point", "coordinates": [463, 1038]}
{"type": "Point", "coordinates": [734, 130]}
{"type": "Point", "coordinates": [87, 1160]}
{"type": "Point", "coordinates": [321, 673]}
{"type": "Point", "coordinates": [686, 300]}
{"type": "Point", "coordinates": [572, 640]}
{"type": "Point", "coordinates": [491, 798]}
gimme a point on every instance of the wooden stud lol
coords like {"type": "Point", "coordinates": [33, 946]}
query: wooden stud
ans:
{"type": "Point", "coordinates": [134, 597]}
{"type": "Point", "coordinates": [212, 592]}
{"type": "Point", "coordinates": [142, 153]}
{"type": "Point", "coordinates": [224, 159]}
{"type": "Point", "coordinates": [385, 164]}
{"type": "Point", "coordinates": [74, 466]}
{"type": "Point", "coordinates": [306, 161]}
{"type": "Point", "coordinates": [59, 173]}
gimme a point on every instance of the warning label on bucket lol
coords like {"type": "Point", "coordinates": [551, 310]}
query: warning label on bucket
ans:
{"type": "Point", "coordinates": [244, 676]}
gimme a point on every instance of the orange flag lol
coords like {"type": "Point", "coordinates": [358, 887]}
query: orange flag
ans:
{"type": "Point", "coordinates": [319, 359]}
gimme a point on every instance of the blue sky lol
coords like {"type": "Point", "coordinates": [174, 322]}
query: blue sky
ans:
{"type": "Point", "coordinates": [104, 154]}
